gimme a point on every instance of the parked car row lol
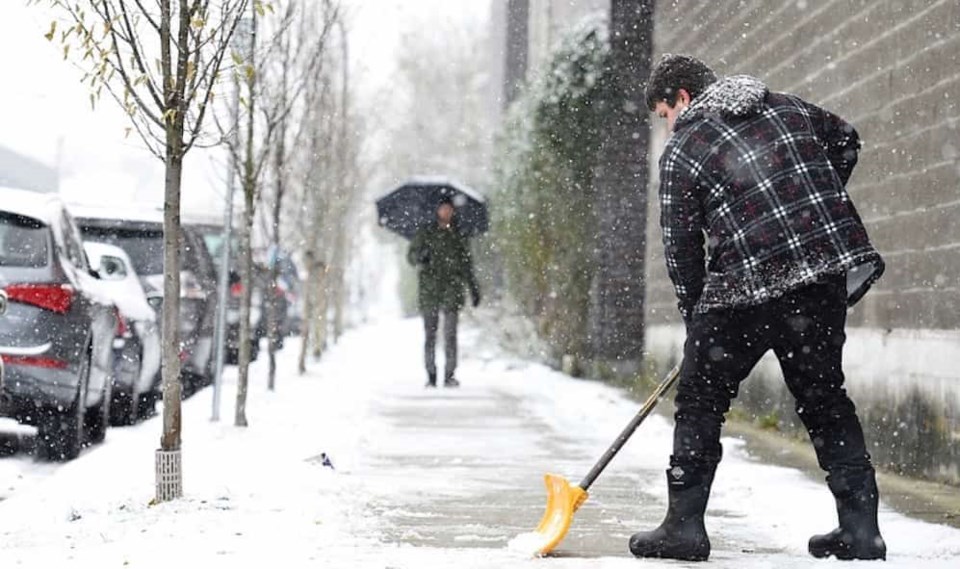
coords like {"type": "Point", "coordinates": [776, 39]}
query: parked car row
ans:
{"type": "Point", "coordinates": [81, 293]}
{"type": "Point", "coordinates": [140, 234]}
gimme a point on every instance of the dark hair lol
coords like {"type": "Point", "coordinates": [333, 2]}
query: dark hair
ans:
{"type": "Point", "coordinates": [675, 72]}
{"type": "Point", "coordinates": [445, 199]}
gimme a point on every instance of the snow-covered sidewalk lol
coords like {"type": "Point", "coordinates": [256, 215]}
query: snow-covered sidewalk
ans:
{"type": "Point", "coordinates": [420, 478]}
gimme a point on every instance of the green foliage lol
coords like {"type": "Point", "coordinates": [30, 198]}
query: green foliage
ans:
{"type": "Point", "coordinates": [769, 421]}
{"type": "Point", "coordinates": [545, 166]}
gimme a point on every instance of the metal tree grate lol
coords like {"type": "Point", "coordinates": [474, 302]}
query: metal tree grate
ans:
{"type": "Point", "coordinates": [169, 475]}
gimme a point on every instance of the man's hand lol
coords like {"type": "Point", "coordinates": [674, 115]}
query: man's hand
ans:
{"type": "Point", "coordinates": [423, 256]}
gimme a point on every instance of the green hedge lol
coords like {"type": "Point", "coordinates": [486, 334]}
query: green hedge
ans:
{"type": "Point", "coordinates": [545, 223]}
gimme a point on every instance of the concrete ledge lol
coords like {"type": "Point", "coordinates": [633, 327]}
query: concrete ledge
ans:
{"type": "Point", "coordinates": [929, 501]}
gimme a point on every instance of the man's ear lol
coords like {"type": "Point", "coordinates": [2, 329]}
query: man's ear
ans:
{"type": "Point", "coordinates": [683, 96]}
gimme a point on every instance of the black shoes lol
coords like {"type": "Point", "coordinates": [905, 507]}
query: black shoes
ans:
{"type": "Point", "coordinates": [682, 534]}
{"type": "Point", "coordinates": [858, 536]}
{"type": "Point", "coordinates": [448, 382]}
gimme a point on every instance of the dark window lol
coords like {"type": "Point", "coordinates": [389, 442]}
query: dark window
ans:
{"type": "Point", "coordinates": [144, 247]}
{"type": "Point", "coordinates": [24, 242]}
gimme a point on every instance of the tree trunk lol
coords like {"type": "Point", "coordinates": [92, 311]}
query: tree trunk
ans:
{"type": "Point", "coordinates": [320, 316]}
{"type": "Point", "coordinates": [246, 237]}
{"type": "Point", "coordinates": [170, 440]}
{"type": "Point", "coordinates": [617, 291]}
{"type": "Point", "coordinates": [308, 303]}
{"type": "Point", "coordinates": [246, 278]}
{"type": "Point", "coordinates": [273, 319]}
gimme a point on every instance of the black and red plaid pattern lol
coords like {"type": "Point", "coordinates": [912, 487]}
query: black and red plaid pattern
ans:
{"type": "Point", "coordinates": [766, 190]}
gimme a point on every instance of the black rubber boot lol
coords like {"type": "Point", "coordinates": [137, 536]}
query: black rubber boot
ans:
{"type": "Point", "coordinates": [858, 536]}
{"type": "Point", "coordinates": [682, 534]}
{"type": "Point", "coordinates": [431, 380]}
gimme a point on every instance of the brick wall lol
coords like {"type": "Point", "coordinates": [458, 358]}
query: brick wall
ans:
{"type": "Point", "coordinates": [892, 69]}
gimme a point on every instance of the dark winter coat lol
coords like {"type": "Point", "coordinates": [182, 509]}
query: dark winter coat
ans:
{"type": "Point", "coordinates": [761, 176]}
{"type": "Point", "coordinates": [446, 268]}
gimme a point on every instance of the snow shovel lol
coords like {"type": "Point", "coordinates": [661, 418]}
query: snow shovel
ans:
{"type": "Point", "coordinates": [563, 500]}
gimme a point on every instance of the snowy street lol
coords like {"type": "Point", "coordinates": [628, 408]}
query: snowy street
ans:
{"type": "Point", "coordinates": [420, 478]}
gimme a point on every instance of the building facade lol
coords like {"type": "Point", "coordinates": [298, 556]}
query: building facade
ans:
{"type": "Point", "coordinates": [892, 69]}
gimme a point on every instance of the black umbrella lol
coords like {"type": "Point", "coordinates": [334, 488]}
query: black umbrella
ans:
{"type": "Point", "coordinates": [413, 205]}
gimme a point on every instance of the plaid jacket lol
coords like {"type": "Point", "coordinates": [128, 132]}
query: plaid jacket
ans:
{"type": "Point", "coordinates": [761, 176]}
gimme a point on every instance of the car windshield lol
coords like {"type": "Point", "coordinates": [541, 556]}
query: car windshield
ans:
{"type": "Point", "coordinates": [24, 242]}
{"type": "Point", "coordinates": [214, 242]}
{"type": "Point", "coordinates": [144, 247]}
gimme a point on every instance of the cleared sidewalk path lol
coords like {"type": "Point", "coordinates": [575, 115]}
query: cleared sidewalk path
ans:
{"type": "Point", "coordinates": [421, 478]}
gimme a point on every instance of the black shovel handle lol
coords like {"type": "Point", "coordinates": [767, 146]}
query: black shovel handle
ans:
{"type": "Point", "coordinates": [621, 440]}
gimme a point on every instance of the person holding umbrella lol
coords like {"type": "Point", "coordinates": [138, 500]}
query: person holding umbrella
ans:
{"type": "Point", "coordinates": [442, 255]}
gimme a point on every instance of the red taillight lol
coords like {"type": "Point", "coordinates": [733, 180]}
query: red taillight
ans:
{"type": "Point", "coordinates": [236, 289]}
{"type": "Point", "coordinates": [55, 297]}
{"type": "Point", "coordinates": [123, 331]}
{"type": "Point", "coordinates": [34, 361]}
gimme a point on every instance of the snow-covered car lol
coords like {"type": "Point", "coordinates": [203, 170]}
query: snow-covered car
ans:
{"type": "Point", "coordinates": [136, 346]}
{"type": "Point", "coordinates": [57, 335]}
{"type": "Point", "coordinates": [3, 310]}
{"type": "Point", "coordinates": [213, 238]}
{"type": "Point", "coordinates": [140, 234]}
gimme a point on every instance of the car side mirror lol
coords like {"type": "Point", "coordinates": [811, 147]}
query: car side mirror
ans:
{"type": "Point", "coordinates": [112, 268]}
{"type": "Point", "coordinates": [155, 300]}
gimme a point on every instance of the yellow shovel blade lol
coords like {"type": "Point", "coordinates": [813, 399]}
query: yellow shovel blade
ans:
{"type": "Point", "coordinates": [563, 501]}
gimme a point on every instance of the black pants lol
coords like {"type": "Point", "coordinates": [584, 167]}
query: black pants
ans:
{"type": "Point", "coordinates": [805, 329]}
{"type": "Point", "coordinates": [431, 322]}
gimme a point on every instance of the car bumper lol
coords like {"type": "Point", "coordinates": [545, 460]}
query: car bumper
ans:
{"type": "Point", "coordinates": [28, 387]}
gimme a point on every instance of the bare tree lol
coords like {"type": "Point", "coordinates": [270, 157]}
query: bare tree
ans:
{"type": "Point", "coordinates": [315, 204]}
{"type": "Point", "coordinates": [166, 95]}
{"type": "Point", "coordinates": [268, 107]}
{"type": "Point", "coordinates": [332, 179]}
{"type": "Point", "coordinates": [296, 69]}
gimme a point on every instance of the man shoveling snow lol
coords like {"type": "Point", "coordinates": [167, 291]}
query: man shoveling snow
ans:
{"type": "Point", "coordinates": [761, 175]}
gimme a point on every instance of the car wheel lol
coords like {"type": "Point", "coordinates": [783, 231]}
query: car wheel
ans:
{"type": "Point", "coordinates": [147, 404]}
{"type": "Point", "coordinates": [60, 431]}
{"type": "Point", "coordinates": [123, 404]}
{"type": "Point", "coordinates": [98, 419]}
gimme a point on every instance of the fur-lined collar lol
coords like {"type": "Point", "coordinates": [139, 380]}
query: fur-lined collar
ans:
{"type": "Point", "coordinates": [735, 96]}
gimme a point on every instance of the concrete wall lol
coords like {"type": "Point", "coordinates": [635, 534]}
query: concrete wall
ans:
{"type": "Point", "coordinates": [892, 69]}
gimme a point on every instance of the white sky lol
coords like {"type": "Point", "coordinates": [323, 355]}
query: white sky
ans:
{"type": "Point", "coordinates": [45, 112]}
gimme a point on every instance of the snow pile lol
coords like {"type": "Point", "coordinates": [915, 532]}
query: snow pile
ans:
{"type": "Point", "coordinates": [528, 544]}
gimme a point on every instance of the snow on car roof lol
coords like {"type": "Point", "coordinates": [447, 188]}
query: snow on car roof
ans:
{"type": "Point", "coordinates": [39, 206]}
{"type": "Point", "coordinates": [129, 213]}
{"type": "Point", "coordinates": [142, 214]}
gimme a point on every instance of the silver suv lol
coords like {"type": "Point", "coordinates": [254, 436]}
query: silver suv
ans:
{"type": "Point", "coordinates": [56, 336]}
